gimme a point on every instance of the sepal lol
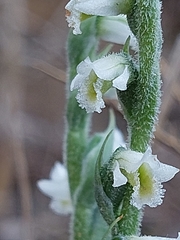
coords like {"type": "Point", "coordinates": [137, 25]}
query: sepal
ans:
{"type": "Point", "coordinates": [126, 45]}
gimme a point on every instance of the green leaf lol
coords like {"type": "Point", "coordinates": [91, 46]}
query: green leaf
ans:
{"type": "Point", "coordinates": [79, 47]}
{"type": "Point", "coordinates": [104, 203]}
{"type": "Point", "coordinates": [88, 222]}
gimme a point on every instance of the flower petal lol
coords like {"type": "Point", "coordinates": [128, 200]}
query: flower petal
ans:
{"type": "Point", "coordinates": [61, 207]}
{"type": "Point", "coordinates": [58, 172]}
{"type": "Point", "coordinates": [109, 67]}
{"type": "Point", "coordinates": [162, 172]}
{"type": "Point", "coordinates": [116, 30]}
{"type": "Point", "coordinates": [98, 7]}
{"type": "Point", "coordinates": [77, 82]}
{"type": "Point", "coordinates": [165, 172]}
{"type": "Point", "coordinates": [85, 67]}
{"type": "Point", "coordinates": [129, 160]}
{"type": "Point", "coordinates": [49, 188]}
{"type": "Point", "coordinates": [121, 81]}
{"type": "Point", "coordinates": [119, 178]}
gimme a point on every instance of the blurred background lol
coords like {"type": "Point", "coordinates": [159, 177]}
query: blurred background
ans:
{"type": "Point", "coordinates": [33, 37]}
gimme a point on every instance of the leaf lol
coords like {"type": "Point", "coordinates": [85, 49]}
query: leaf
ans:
{"type": "Point", "coordinates": [88, 222]}
{"type": "Point", "coordinates": [104, 203]}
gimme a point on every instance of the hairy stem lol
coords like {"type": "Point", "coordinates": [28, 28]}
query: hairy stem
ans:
{"type": "Point", "coordinates": [142, 99]}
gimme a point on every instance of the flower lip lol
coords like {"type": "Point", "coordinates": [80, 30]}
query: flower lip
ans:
{"type": "Point", "coordinates": [73, 17]}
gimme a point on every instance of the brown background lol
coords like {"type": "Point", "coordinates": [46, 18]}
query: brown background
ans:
{"type": "Point", "coordinates": [32, 101]}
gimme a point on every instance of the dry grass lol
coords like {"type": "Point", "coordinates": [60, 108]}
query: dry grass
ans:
{"type": "Point", "coordinates": [33, 38]}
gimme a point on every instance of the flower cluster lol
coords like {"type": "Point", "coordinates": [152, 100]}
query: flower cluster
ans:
{"type": "Point", "coordinates": [57, 188]}
{"type": "Point", "coordinates": [95, 78]}
{"type": "Point", "coordinates": [145, 173]}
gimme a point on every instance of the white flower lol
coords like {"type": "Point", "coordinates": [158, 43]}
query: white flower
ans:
{"type": "Point", "coordinates": [115, 29]}
{"type": "Point", "coordinates": [145, 173]}
{"type": "Point", "coordinates": [93, 76]}
{"type": "Point", "coordinates": [150, 238]}
{"type": "Point", "coordinates": [75, 9]}
{"type": "Point", "coordinates": [57, 188]}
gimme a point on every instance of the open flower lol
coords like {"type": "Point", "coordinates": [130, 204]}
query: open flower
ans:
{"type": "Point", "coordinates": [76, 8]}
{"type": "Point", "coordinates": [57, 188]}
{"type": "Point", "coordinates": [95, 78]}
{"type": "Point", "coordinates": [145, 173]}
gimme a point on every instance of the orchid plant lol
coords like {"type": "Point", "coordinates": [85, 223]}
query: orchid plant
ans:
{"type": "Point", "coordinates": [105, 183]}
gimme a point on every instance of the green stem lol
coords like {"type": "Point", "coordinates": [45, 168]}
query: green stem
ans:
{"type": "Point", "coordinates": [142, 99]}
{"type": "Point", "coordinates": [111, 226]}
